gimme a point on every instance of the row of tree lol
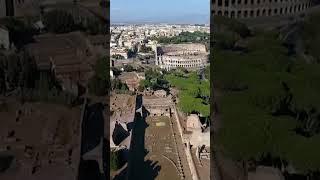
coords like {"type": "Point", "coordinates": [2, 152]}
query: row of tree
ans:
{"type": "Point", "coordinates": [269, 105]}
{"type": "Point", "coordinates": [194, 93]}
{"type": "Point", "coordinates": [145, 49]}
{"type": "Point", "coordinates": [117, 56]}
{"type": "Point", "coordinates": [154, 80]}
{"type": "Point", "coordinates": [185, 37]}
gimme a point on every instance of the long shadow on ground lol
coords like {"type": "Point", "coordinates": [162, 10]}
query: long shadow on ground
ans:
{"type": "Point", "coordinates": [92, 133]}
{"type": "Point", "coordinates": [137, 167]}
{"type": "Point", "coordinates": [92, 127]}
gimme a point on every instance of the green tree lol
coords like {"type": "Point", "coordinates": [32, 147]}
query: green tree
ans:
{"type": "Point", "coordinates": [269, 103]}
{"type": "Point", "coordinates": [117, 56]}
{"type": "Point", "coordinates": [131, 53]}
{"type": "Point", "coordinates": [194, 93]}
{"type": "Point", "coordinates": [116, 71]}
{"type": "Point", "coordinates": [101, 68]}
{"type": "Point", "coordinates": [100, 83]}
{"type": "Point", "coordinates": [145, 49]}
{"type": "Point", "coordinates": [114, 160]}
{"type": "Point", "coordinates": [154, 80]}
{"type": "Point", "coordinates": [185, 37]}
{"type": "Point", "coordinates": [116, 84]}
{"type": "Point", "coordinates": [21, 33]}
{"type": "Point", "coordinates": [128, 68]}
{"type": "Point", "coordinates": [98, 86]}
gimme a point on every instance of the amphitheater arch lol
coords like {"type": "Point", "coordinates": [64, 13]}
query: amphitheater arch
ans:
{"type": "Point", "coordinates": [251, 13]}
{"type": "Point", "coordinates": [245, 14]}
{"type": "Point", "coordinates": [239, 14]}
{"type": "Point", "coordinates": [226, 3]}
{"type": "Point", "coordinates": [226, 13]}
{"type": "Point", "coordinates": [269, 12]}
{"type": "Point", "coordinates": [232, 14]}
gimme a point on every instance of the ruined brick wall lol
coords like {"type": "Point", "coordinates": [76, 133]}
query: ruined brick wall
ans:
{"type": "Point", "coordinates": [258, 8]}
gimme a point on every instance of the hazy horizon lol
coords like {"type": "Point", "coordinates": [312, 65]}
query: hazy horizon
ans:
{"type": "Point", "coordinates": [168, 11]}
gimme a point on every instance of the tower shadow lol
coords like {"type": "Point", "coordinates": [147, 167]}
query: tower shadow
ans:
{"type": "Point", "coordinates": [138, 167]}
{"type": "Point", "coordinates": [92, 133]}
{"type": "Point", "coordinates": [92, 127]}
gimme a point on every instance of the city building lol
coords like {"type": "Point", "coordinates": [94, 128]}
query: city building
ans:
{"type": "Point", "coordinates": [119, 51]}
{"type": "Point", "coordinates": [132, 37]}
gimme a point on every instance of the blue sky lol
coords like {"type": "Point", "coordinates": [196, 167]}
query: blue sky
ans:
{"type": "Point", "coordinates": [165, 11]}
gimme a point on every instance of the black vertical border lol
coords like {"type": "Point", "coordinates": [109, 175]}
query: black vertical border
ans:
{"type": "Point", "coordinates": [106, 140]}
{"type": "Point", "coordinates": [211, 93]}
{"type": "Point", "coordinates": [214, 170]}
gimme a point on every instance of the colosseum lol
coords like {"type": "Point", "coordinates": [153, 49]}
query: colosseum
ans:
{"type": "Point", "coordinates": [259, 8]}
{"type": "Point", "coordinates": [188, 56]}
